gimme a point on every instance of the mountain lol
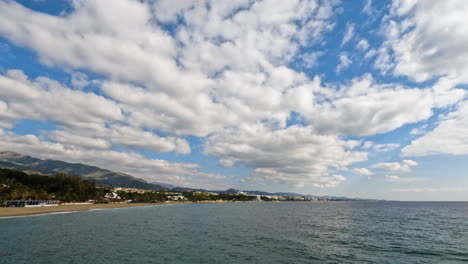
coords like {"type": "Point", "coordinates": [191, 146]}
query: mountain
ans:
{"type": "Point", "coordinates": [16, 161]}
{"type": "Point", "coordinates": [165, 185]}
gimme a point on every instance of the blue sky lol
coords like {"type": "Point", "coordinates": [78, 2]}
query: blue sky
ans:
{"type": "Point", "coordinates": [356, 98]}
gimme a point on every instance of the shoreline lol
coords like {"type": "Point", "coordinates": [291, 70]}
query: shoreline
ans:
{"type": "Point", "coordinates": [9, 212]}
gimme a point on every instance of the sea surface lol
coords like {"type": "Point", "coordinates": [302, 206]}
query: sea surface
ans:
{"type": "Point", "coordinates": [285, 232]}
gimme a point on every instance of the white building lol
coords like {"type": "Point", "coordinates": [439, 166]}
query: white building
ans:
{"type": "Point", "coordinates": [177, 198]}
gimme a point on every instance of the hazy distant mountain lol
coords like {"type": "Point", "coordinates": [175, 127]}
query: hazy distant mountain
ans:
{"type": "Point", "coordinates": [165, 185]}
{"type": "Point", "coordinates": [12, 160]}
{"type": "Point", "coordinates": [16, 161]}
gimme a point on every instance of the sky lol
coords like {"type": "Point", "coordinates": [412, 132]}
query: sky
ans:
{"type": "Point", "coordinates": [361, 99]}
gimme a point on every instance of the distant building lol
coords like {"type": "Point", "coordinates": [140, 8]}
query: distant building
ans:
{"type": "Point", "coordinates": [131, 190]}
{"type": "Point", "coordinates": [112, 195]}
{"type": "Point", "coordinates": [298, 198]}
{"type": "Point", "coordinates": [177, 198]}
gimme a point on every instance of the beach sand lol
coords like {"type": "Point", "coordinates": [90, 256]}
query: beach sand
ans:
{"type": "Point", "coordinates": [21, 211]}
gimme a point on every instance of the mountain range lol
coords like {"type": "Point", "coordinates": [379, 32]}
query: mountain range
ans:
{"type": "Point", "coordinates": [16, 161]}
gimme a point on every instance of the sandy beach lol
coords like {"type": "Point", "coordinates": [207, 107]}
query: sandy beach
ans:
{"type": "Point", "coordinates": [22, 211]}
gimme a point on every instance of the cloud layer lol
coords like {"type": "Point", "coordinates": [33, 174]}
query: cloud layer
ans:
{"type": "Point", "coordinates": [225, 73]}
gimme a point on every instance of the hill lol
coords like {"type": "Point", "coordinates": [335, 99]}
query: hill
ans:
{"type": "Point", "coordinates": [16, 161]}
{"type": "Point", "coordinates": [31, 165]}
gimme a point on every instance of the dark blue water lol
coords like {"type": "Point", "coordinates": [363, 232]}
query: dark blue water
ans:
{"type": "Point", "coordinates": [296, 232]}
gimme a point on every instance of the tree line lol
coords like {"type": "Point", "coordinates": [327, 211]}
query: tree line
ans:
{"type": "Point", "coordinates": [18, 185]}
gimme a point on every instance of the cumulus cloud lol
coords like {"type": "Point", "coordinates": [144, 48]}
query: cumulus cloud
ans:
{"type": "Point", "coordinates": [363, 171]}
{"type": "Point", "coordinates": [46, 99]}
{"type": "Point", "coordinates": [449, 137]}
{"type": "Point", "coordinates": [222, 73]}
{"type": "Point", "coordinates": [295, 155]}
{"type": "Point", "coordinates": [386, 147]}
{"type": "Point", "coordinates": [189, 70]}
{"type": "Point", "coordinates": [78, 140]}
{"type": "Point", "coordinates": [369, 145]}
{"type": "Point", "coordinates": [363, 45]}
{"type": "Point", "coordinates": [180, 174]}
{"type": "Point", "coordinates": [87, 117]}
{"type": "Point", "coordinates": [223, 66]}
{"type": "Point", "coordinates": [418, 130]}
{"type": "Point", "coordinates": [364, 107]}
{"type": "Point", "coordinates": [124, 136]}
{"type": "Point", "coordinates": [79, 80]}
{"type": "Point", "coordinates": [422, 47]}
{"type": "Point", "coordinates": [397, 179]}
{"type": "Point", "coordinates": [345, 61]}
{"type": "Point", "coordinates": [309, 60]}
{"type": "Point", "coordinates": [404, 166]}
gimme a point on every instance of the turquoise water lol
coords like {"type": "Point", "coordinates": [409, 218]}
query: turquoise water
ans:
{"type": "Point", "coordinates": [296, 232]}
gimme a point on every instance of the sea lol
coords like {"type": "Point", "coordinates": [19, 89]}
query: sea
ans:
{"type": "Point", "coordinates": [269, 232]}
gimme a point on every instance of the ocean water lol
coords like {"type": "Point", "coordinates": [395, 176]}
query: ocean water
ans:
{"type": "Point", "coordinates": [289, 232]}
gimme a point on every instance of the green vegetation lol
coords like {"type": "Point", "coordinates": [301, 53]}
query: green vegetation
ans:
{"type": "Point", "coordinates": [17, 185]}
{"type": "Point", "coordinates": [197, 196]}
{"type": "Point", "coordinates": [147, 197]}
{"type": "Point", "coordinates": [16, 161]}
{"type": "Point", "coordinates": [162, 196]}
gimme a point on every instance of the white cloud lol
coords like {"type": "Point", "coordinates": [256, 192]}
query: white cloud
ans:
{"type": "Point", "coordinates": [46, 99]}
{"type": "Point", "coordinates": [179, 174]}
{"type": "Point", "coordinates": [223, 66]}
{"type": "Point", "coordinates": [418, 130]}
{"type": "Point", "coordinates": [397, 179]}
{"type": "Point", "coordinates": [449, 137]}
{"type": "Point", "coordinates": [424, 47]}
{"type": "Point", "coordinates": [219, 74]}
{"type": "Point", "coordinates": [364, 107]}
{"type": "Point", "coordinates": [386, 147]}
{"type": "Point", "coordinates": [369, 145]}
{"type": "Point", "coordinates": [87, 117]}
{"type": "Point", "coordinates": [183, 81]}
{"type": "Point", "coordinates": [78, 140]}
{"type": "Point", "coordinates": [295, 155]}
{"type": "Point", "coordinates": [79, 80]}
{"type": "Point", "coordinates": [124, 136]}
{"type": "Point", "coordinates": [362, 171]}
{"type": "Point", "coordinates": [367, 9]}
{"type": "Point", "coordinates": [410, 162]}
{"type": "Point", "coordinates": [309, 60]}
{"type": "Point", "coordinates": [432, 190]}
{"type": "Point", "coordinates": [349, 33]}
{"type": "Point", "coordinates": [363, 45]}
{"type": "Point", "coordinates": [404, 166]}
{"type": "Point", "coordinates": [344, 62]}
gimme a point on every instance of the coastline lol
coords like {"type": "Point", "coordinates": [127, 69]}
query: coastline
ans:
{"type": "Point", "coordinates": [7, 212]}
{"type": "Point", "coordinates": [27, 211]}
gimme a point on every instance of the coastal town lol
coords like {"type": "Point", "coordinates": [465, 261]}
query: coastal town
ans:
{"type": "Point", "coordinates": [20, 189]}
{"type": "Point", "coordinates": [121, 195]}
